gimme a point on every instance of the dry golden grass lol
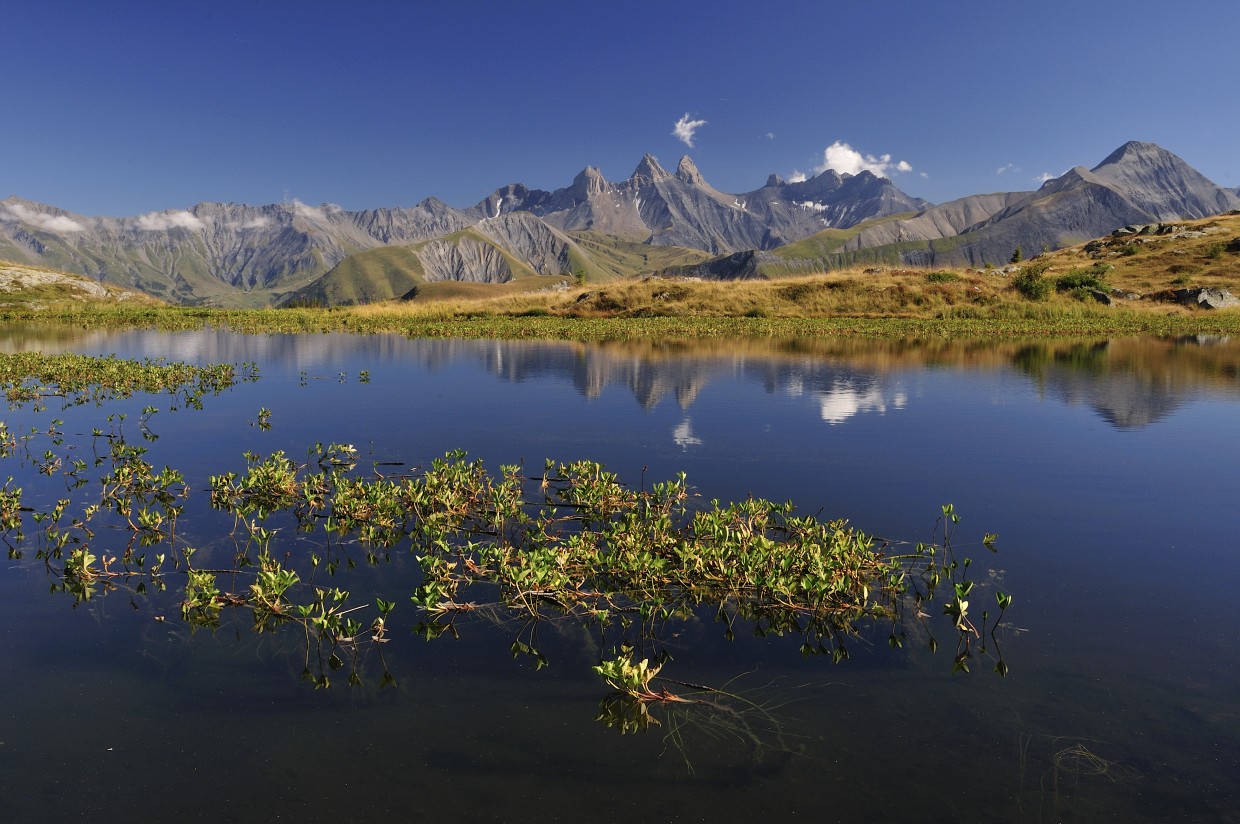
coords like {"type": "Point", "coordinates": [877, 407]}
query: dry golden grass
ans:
{"type": "Point", "coordinates": [1150, 263]}
{"type": "Point", "coordinates": [901, 293]}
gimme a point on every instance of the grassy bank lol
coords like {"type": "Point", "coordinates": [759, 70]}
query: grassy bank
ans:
{"type": "Point", "coordinates": [1033, 319]}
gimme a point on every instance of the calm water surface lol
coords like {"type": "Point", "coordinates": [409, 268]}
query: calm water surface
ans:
{"type": "Point", "coordinates": [1109, 469]}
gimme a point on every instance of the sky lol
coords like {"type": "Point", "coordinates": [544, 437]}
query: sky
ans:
{"type": "Point", "coordinates": [130, 107]}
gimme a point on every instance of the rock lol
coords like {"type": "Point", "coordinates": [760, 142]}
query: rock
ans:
{"type": "Point", "coordinates": [1202, 298]}
{"type": "Point", "coordinates": [1102, 297]}
{"type": "Point", "coordinates": [1125, 295]}
{"type": "Point", "coordinates": [650, 169]}
{"type": "Point", "coordinates": [687, 172]}
{"type": "Point", "coordinates": [1234, 246]}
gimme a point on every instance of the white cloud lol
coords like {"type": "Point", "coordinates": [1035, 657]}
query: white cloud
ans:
{"type": "Point", "coordinates": [797, 176]}
{"type": "Point", "coordinates": [260, 222]}
{"type": "Point", "coordinates": [163, 221]}
{"type": "Point", "coordinates": [1045, 176]}
{"type": "Point", "coordinates": [308, 212]}
{"type": "Point", "coordinates": [685, 129]}
{"type": "Point", "coordinates": [1007, 167]}
{"type": "Point", "coordinates": [923, 175]}
{"type": "Point", "coordinates": [844, 159]}
{"type": "Point", "coordinates": [770, 135]}
{"type": "Point", "coordinates": [41, 220]}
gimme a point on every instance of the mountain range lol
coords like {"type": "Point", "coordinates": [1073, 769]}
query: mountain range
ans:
{"type": "Point", "coordinates": [655, 221]}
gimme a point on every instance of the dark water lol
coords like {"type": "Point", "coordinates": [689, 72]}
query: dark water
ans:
{"type": "Point", "coordinates": [1109, 469]}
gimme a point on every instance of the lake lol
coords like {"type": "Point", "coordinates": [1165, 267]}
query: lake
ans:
{"type": "Point", "coordinates": [1109, 469]}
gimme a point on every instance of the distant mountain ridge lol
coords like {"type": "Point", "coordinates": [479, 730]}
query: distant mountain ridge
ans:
{"type": "Point", "coordinates": [681, 209]}
{"type": "Point", "coordinates": [1137, 183]}
{"type": "Point", "coordinates": [233, 254]}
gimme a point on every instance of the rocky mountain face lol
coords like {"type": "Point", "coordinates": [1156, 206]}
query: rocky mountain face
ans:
{"type": "Point", "coordinates": [220, 253]}
{"type": "Point", "coordinates": [662, 208]}
{"type": "Point", "coordinates": [494, 250]}
{"type": "Point", "coordinates": [230, 254]}
{"type": "Point", "coordinates": [1137, 183]}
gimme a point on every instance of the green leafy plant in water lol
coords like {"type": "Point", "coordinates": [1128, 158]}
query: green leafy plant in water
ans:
{"type": "Point", "coordinates": [203, 599]}
{"type": "Point", "coordinates": [633, 678]}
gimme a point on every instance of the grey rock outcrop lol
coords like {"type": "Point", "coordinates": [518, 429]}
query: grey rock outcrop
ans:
{"type": "Point", "coordinates": [466, 260]}
{"type": "Point", "coordinates": [1202, 298]}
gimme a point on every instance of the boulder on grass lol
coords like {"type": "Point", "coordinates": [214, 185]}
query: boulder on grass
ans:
{"type": "Point", "coordinates": [1202, 298]}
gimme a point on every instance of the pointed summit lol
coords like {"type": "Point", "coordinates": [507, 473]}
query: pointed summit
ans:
{"type": "Point", "coordinates": [773, 181]}
{"type": "Point", "coordinates": [688, 172]}
{"type": "Point", "coordinates": [1135, 151]}
{"type": "Point", "coordinates": [650, 168]}
{"type": "Point", "coordinates": [1161, 183]}
{"type": "Point", "coordinates": [589, 181]}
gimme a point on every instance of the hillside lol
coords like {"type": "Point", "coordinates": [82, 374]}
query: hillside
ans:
{"type": "Point", "coordinates": [34, 287]}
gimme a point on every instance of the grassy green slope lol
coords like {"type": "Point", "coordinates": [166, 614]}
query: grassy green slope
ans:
{"type": "Point", "coordinates": [618, 257]}
{"type": "Point", "coordinates": [390, 272]}
{"type": "Point", "coordinates": [820, 251]}
{"type": "Point", "coordinates": [365, 277]}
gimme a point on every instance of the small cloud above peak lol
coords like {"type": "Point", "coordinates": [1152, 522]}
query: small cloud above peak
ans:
{"type": "Point", "coordinates": [845, 160]}
{"type": "Point", "coordinates": [1007, 167]}
{"type": "Point", "coordinates": [686, 128]}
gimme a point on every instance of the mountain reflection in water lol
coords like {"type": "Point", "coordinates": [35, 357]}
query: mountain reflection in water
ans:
{"type": "Point", "coordinates": [1129, 382]}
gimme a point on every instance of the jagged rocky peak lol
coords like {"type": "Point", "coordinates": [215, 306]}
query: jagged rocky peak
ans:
{"type": "Point", "coordinates": [818, 186]}
{"type": "Point", "coordinates": [650, 168]}
{"type": "Point", "coordinates": [589, 181]}
{"type": "Point", "coordinates": [773, 181]}
{"type": "Point", "coordinates": [432, 204]}
{"type": "Point", "coordinates": [688, 172]}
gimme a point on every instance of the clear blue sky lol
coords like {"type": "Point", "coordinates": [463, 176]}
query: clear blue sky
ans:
{"type": "Point", "coordinates": [126, 107]}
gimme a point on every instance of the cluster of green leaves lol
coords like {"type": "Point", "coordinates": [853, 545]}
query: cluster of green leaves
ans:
{"type": "Point", "coordinates": [578, 542]}
{"type": "Point", "coordinates": [32, 377]}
